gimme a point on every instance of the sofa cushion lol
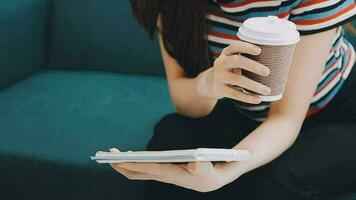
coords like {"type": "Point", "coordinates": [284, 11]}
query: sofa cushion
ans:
{"type": "Point", "coordinates": [66, 115]}
{"type": "Point", "coordinates": [100, 35]}
{"type": "Point", "coordinates": [53, 121]}
{"type": "Point", "coordinates": [22, 37]}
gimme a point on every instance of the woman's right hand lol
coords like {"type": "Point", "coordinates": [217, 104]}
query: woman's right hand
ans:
{"type": "Point", "coordinates": [217, 81]}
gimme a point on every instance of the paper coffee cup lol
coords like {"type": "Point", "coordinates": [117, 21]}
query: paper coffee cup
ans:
{"type": "Point", "coordinates": [277, 39]}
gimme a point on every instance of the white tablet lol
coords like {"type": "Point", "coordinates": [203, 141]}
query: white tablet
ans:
{"type": "Point", "coordinates": [189, 155]}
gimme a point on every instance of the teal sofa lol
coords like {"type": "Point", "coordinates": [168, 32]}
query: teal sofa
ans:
{"type": "Point", "coordinates": [76, 76]}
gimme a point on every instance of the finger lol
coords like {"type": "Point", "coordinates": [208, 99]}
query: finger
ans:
{"type": "Point", "coordinates": [156, 169]}
{"type": "Point", "coordinates": [240, 96]}
{"type": "Point", "coordinates": [200, 168]}
{"type": "Point", "coordinates": [244, 82]}
{"type": "Point", "coordinates": [239, 61]}
{"type": "Point", "coordinates": [114, 150]}
{"type": "Point", "coordinates": [241, 47]}
{"type": "Point", "coordinates": [133, 175]}
{"type": "Point", "coordinates": [183, 166]}
{"type": "Point", "coordinates": [237, 71]}
{"type": "Point", "coordinates": [151, 168]}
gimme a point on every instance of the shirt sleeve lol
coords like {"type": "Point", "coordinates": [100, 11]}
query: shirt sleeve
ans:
{"type": "Point", "coordinates": [313, 16]}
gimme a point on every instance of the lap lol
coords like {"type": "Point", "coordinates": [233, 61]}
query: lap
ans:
{"type": "Point", "coordinates": [222, 128]}
{"type": "Point", "coordinates": [322, 158]}
{"type": "Point", "coordinates": [316, 165]}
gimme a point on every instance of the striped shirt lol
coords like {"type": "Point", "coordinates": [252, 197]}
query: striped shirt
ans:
{"type": "Point", "coordinates": [310, 16]}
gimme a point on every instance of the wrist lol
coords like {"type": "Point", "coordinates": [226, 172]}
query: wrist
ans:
{"type": "Point", "coordinates": [202, 84]}
{"type": "Point", "coordinates": [240, 168]}
{"type": "Point", "coordinates": [243, 166]}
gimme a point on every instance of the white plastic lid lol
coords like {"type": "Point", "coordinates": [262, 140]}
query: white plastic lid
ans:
{"type": "Point", "coordinates": [269, 30]}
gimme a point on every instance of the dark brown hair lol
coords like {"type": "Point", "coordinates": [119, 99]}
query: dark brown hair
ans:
{"type": "Point", "coordinates": [183, 29]}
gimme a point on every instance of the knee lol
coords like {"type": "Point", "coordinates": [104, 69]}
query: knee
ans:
{"type": "Point", "coordinates": [271, 185]}
{"type": "Point", "coordinates": [168, 123]}
{"type": "Point", "coordinates": [284, 184]}
{"type": "Point", "coordinates": [170, 133]}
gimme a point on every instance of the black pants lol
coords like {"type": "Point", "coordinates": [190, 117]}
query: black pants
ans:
{"type": "Point", "coordinates": [321, 163]}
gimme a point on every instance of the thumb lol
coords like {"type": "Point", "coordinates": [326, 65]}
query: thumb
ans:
{"type": "Point", "coordinates": [114, 150]}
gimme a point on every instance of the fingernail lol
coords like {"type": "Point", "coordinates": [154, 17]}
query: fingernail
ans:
{"type": "Point", "coordinates": [266, 72]}
{"type": "Point", "coordinates": [114, 150]}
{"type": "Point", "coordinates": [257, 50]}
{"type": "Point", "coordinates": [266, 91]}
{"type": "Point", "coordinates": [258, 101]}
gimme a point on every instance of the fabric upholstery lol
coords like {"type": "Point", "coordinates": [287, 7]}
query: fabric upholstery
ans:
{"type": "Point", "coordinates": [53, 121]}
{"type": "Point", "coordinates": [22, 38]}
{"type": "Point", "coordinates": [66, 116]}
{"type": "Point", "coordinates": [100, 35]}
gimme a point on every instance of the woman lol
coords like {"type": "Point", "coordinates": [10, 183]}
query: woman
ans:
{"type": "Point", "coordinates": [302, 147]}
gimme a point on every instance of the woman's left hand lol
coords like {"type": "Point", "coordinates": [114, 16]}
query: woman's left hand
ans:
{"type": "Point", "coordinates": [198, 176]}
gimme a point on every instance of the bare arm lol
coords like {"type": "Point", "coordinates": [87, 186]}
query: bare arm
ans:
{"type": "Point", "coordinates": [183, 90]}
{"type": "Point", "coordinates": [279, 131]}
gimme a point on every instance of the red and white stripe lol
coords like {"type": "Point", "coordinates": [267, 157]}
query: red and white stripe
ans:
{"type": "Point", "coordinates": [332, 52]}
{"type": "Point", "coordinates": [314, 24]}
{"type": "Point", "coordinates": [337, 34]}
{"type": "Point", "coordinates": [222, 38]}
{"type": "Point", "coordinates": [223, 20]}
{"type": "Point", "coordinates": [284, 15]}
{"type": "Point", "coordinates": [311, 5]}
{"type": "Point", "coordinates": [329, 85]}
{"type": "Point", "coordinates": [240, 7]}
{"type": "Point", "coordinates": [335, 65]}
{"type": "Point", "coordinates": [337, 77]}
{"type": "Point", "coordinates": [352, 62]}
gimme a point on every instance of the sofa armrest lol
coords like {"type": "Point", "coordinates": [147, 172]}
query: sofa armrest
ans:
{"type": "Point", "coordinates": [22, 38]}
